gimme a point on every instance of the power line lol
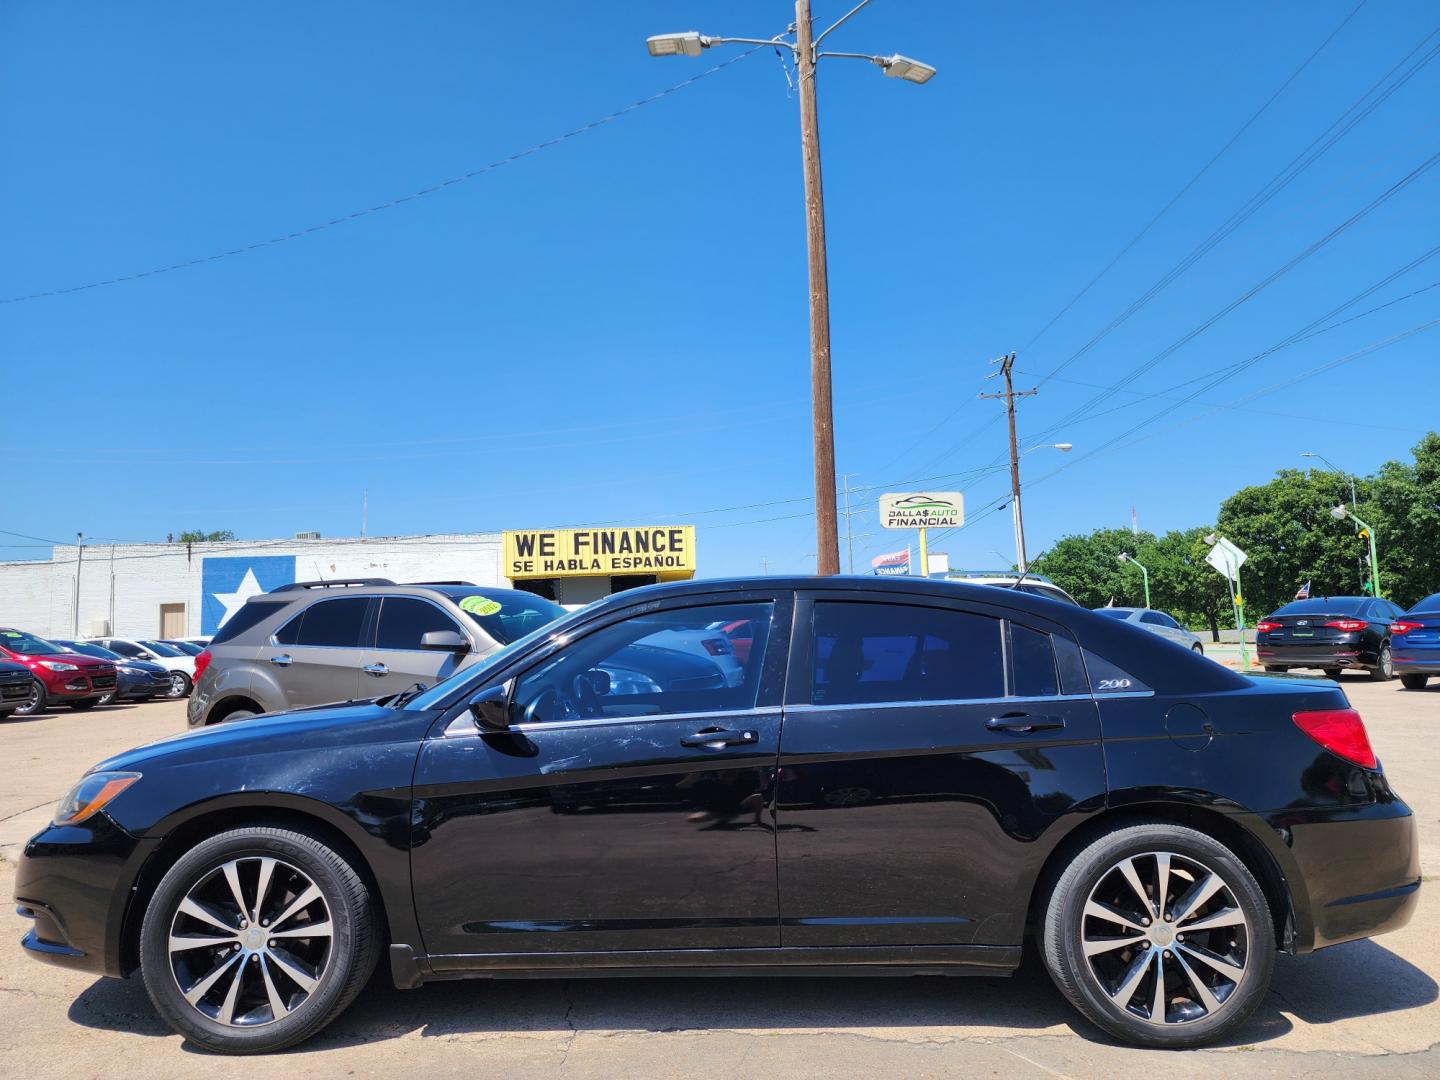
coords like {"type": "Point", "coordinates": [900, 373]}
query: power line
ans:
{"type": "Point", "coordinates": [1194, 179]}
{"type": "Point", "coordinates": [390, 204]}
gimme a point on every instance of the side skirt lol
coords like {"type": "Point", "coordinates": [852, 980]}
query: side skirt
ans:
{"type": "Point", "coordinates": [408, 970]}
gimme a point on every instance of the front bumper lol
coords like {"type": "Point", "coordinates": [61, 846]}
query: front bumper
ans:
{"type": "Point", "coordinates": [146, 686]}
{"type": "Point", "coordinates": [14, 692]}
{"type": "Point", "coordinates": [1358, 870]}
{"type": "Point", "coordinates": [76, 685]}
{"type": "Point", "coordinates": [74, 881]}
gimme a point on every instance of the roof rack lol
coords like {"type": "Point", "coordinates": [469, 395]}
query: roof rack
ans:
{"type": "Point", "coordinates": [471, 584]}
{"type": "Point", "coordinates": [298, 586]}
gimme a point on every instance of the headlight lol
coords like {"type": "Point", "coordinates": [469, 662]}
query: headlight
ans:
{"type": "Point", "coordinates": [132, 670]}
{"type": "Point", "coordinates": [91, 795]}
{"type": "Point", "coordinates": [56, 665]}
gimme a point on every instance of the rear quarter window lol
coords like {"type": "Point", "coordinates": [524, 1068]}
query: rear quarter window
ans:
{"type": "Point", "coordinates": [250, 615]}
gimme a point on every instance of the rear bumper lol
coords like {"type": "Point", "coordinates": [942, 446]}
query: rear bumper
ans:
{"type": "Point", "coordinates": [1340, 655]}
{"type": "Point", "coordinates": [1416, 660]}
{"type": "Point", "coordinates": [1359, 869]}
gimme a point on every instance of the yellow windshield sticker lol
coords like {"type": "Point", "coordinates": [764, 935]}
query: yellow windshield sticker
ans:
{"type": "Point", "coordinates": [480, 605]}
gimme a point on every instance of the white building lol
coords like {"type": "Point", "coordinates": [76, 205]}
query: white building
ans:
{"type": "Point", "coordinates": [181, 590]}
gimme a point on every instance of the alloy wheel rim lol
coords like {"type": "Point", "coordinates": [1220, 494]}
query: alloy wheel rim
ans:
{"type": "Point", "coordinates": [1387, 662]}
{"type": "Point", "coordinates": [250, 942]}
{"type": "Point", "coordinates": [177, 684]}
{"type": "Point", "coordinates": [32, 703]}
{"type": "Point", "coordinates": [1165, 937]}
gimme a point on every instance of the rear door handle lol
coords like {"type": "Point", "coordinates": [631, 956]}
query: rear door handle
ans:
{"type": "Point", "coordinates": [376, 669]}
{"type": "Point", "coordinates": [1024, 723]}
{"type": "Point", "coordinates": [719, 738]}
{"type": "Point", "coordinates": [283, 660]}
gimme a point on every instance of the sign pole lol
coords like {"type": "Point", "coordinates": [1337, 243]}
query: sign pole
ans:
{"type": "Point", "coordinates": [924, 556]}
{"type": "Point", "coordinates": [1238, 599]}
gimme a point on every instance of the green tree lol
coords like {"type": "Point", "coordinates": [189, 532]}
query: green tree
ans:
{"type": "Point", "coordinates": [197, 536]}
{"type": "Point", "coordinates": [1088, 566]}
{"type": "Point", "coordinates": [1184, 584]}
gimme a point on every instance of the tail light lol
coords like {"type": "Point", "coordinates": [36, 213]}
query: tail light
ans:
{"type": "Point", "coordinates": [1341, 731]}
{"type": "Point", "coordinates": [202, 661]}
{"type": "Point", "coordinates": [1405, 627]}
{"type": "Point", "coordinates": [1347, 625]}
{"type": "Point", "coordinates": [716, 646]}
{"type": "Point", "coordinates": [1264, 626]}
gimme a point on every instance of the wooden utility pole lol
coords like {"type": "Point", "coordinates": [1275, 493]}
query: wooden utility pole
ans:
{"type": "Point", "coordinates": [1010, 394]}
{"type": "Point", "coordinates": [827, 542]}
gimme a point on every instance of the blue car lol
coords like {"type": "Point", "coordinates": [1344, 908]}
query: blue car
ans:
{"type": "Point", "coordinates": [1415, 643]}
{"type": "Point", "coordinates": [136, 680]}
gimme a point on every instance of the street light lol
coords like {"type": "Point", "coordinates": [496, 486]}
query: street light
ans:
{"type": "Point", "coordinates": [805, 50]}
{"type": "Point", "coordinates": [1354, 503]}
{"type": "Point", "coordinates": [1126, 557]}
{"type": "Point", "coordinates": [1340, 513]}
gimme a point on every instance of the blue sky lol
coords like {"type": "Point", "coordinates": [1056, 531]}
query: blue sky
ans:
{"type": "Point", "coordinates": [614, 329]}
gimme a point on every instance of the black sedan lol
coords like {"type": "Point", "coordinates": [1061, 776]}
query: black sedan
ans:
{"type": "Point", "coordinates": [581, 803]}
{"type": "Point", "coordinates": [1329, 632]}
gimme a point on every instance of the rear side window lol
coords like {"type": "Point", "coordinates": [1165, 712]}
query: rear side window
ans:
{"type": "Point", "coordinates": [1153, 618]}
{"type": "Point", "coordinates": [1033, 659]}
{"type": "Point", "coordinates": [333, 623]}
{"type": "Point", "coordinates": [249, 615]}
{"type": "Point", "coordinates": [404, 621]}
{"type": "Point", "coordinates": [867, 653]}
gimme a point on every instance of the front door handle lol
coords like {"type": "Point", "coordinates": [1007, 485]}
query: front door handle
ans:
{"type": "Point", "coordinates": [1023, 723]}
{"type": "Point", "coordinates": [719, 738]}
{"type": "Point", "coordinates": [376, 669]}
{"type": "Point", "coordinates": [283, 660]}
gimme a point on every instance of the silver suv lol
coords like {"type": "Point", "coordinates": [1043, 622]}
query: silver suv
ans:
{"type": "Point", "coordinates": [316, 642]}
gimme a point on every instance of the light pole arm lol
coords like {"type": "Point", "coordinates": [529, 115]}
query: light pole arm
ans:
{"type": "Point", "coordinates": [1144, 576]}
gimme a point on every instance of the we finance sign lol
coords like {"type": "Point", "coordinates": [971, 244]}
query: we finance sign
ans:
{"type": "Point", "coordinates": [547, 553]}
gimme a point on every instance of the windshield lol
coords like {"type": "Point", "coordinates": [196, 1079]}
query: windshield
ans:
{"type": "Point", "coordinates": [1115, 612]}
{"type": "Point", "coordinates": [28, 644]}
{"type": "Point", "coordinates": [187, 647]}
{"type": "Point", "coordinates": [86, 649]}
{"type": "Point", "coordinates": [472, 676]}
{"type": "Point", "coordinates": [509, 615]}
{"type": "Point", "coordinates": [1322, 605]}
{"type": "Point", "coordinates": [159, 648]}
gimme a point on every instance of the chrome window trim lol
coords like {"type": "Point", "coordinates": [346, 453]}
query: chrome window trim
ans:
{"type": "Point", "coordinates": [968, 701]}
{"type": "Point", "coordinates": [271, 643]}
{"type": "Point", "coordinates": [464, 724]}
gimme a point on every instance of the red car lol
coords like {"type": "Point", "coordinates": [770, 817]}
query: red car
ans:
{"type": "Point", "coordinates": [60, 676]}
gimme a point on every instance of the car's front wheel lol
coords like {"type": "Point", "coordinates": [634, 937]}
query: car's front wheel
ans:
{"type": "Point", "coordinates": [256, 939]}
{"type": "Point", "coordinates": [34, 701]}
{"type": "Point", "coordinates": [1160, 935]}
{"type": "Point", "coordinates": [179, 685]}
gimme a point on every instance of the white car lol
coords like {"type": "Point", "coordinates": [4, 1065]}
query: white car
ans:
{"type": "Point", "coordinates": [180, 666]}
{"type": "Point", "coordinates": [1157, 622]}
{"type": "Point", "coordinates": [1034, 584]}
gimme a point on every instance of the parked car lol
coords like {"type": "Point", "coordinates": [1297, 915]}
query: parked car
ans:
{"type": "Point", "coordinates": [315, 642]}
{"type": "Point", "coordinates": [179, 664]}
{"type": "Point", "coordinates": [957, 764]}
{"type": "Point", "coordinates": [58, 675]}
{"type": "Point", "coordinates": [136, 680]}
{"type": "Point", "coordinates": [1157, 622]}
{"type": "Point", "coordinates": [1329, 632]}
{"type": "Point", "coordinates": [16, 687]}
{"type": "Point", "coordinates": [1034, 584]}
{"type": "Point", "coordinates": [1415, 643]}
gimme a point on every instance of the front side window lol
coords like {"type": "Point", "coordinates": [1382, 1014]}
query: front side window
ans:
{"type": "Point", "coordinates": [867, 653]}
{"type": "Point", "coordinates": [404, 621]}
{"type": "Point", "coordinates": [660, 663]}
{"type": "Point", "coordinates": [332, 623]}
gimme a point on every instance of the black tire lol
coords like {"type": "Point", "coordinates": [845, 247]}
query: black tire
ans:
{"type": "Point", "coordinates": [106, 699]}
{"type": "Point", "coordinates": [1414, 682]}
{"type": "Point", "coordinates": [1062, 937]}
{"type": "Point", "coordinates": [1333, 672]}
{"type": "Point", "coordinates": [179, 685]}
{"type": "Point", "coordinates": [35, 703]}
{"type": "Point", "coordinates": [238, 714]}
{"type": "Point", "coordinates": [85, 704]}
{"type": "Point", "coordinates": [1273, 668]}
{"type": "Point", "coordinates": [353, 947]}
{"type": "Point", "coordinates": [1384, 669]}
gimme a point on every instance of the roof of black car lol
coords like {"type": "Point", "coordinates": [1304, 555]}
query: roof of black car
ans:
{"type": "Point", "coordinates": [847, 583]}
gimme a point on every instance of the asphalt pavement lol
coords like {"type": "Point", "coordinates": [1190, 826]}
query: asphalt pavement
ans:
{"type": "Point", "coordinates": [1369, 1009]}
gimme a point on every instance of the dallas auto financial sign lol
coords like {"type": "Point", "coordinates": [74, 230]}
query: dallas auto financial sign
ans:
{"type": "Point", "coordinates": [922, 510]}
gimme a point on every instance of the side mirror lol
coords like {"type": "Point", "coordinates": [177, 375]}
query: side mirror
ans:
{"type": "Point", "coordinates": [491, 706]}
{"type": "Point", "coordinates": [444, 640]}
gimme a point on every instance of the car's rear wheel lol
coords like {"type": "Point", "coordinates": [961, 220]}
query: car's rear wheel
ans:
{"type": "Point", "coordinates": [1273, 667]}
{"type": "Point", "coordinates": [85, 703]}
{"type": "Point", "coordinates": [1160, 935]}
{"type": "Point", "coordinates": [1333, 672]}
{"type": "Point", "coordinates": [1384, 669]}
{"type": "Point", "coordinates": [256, 939]}
{"type": "Point", "coordinates": [179, 685]}
{"type": "Point", "coordinates": [34, 702]}
{"type": "Point", "coordinates": [1414, 682]}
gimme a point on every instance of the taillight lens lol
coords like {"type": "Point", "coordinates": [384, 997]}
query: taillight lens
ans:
{"type": "Point", "coordinates": [1341, 731]}
{"type": "Point", "coordinates": [1265, 626]}
{"type": "Point", "coordinates": [1347, 625]}
{"type": "Point", "coordinates": [202, 661]}
{"type": "Point", "coordinates": [716, 646]}
{"type": "Point", "coordinates": [1405, 627]}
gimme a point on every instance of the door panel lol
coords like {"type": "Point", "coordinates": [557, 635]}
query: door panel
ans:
{"type": "Point", "coordinates": [597, 836]}
{"type": "Point", "coordinates": [317, 655]}
{"type": "Point", "coordinates": [395, 661]}
{"type": "Point", "coordinates": [924, 822]}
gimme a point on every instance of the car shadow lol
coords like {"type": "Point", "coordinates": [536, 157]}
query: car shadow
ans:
{"type": "Point", "coordinates": [1346, 982]}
